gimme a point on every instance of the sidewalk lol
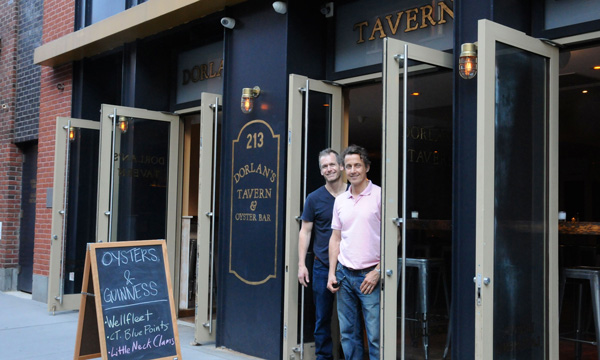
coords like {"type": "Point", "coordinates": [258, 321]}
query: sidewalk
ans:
{"type": "Point", "coordinates": [28, 331]}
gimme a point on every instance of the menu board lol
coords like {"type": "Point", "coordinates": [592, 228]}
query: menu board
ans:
{"type": "Point", "coordinates": [133, 298]}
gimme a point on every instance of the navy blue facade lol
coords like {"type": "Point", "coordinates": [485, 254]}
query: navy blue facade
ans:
{"type": "Point", "coordinates": [515, 14]}
{"type": "Point", "coordinates": [28, 74]}
{"type": "Point", "coordinates": [262, 50]}
{"type": "Point", "coordinates": [255, 55]}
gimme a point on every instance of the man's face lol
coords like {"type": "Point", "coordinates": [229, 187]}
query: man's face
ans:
{"type": "Point", "coordinates": [330, 169]}
{"type": "Point", "coordinates": [356, 171]}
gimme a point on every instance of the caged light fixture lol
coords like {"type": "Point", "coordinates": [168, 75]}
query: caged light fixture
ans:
{"type": "Point", "coordinates": [123, 124]}
{"type": "Point", "coordinates": [248, 96]}
{"type": "Point", "coordinates": [467, 62]}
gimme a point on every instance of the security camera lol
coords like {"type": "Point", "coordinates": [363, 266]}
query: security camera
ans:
{"type": "Point", "coordinates": [280, 7]}
{"type": "Point", "coordinates": [228, 22]}
{"type": "Point", "coordinates": [327, 10]}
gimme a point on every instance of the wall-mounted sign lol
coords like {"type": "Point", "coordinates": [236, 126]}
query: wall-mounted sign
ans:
{"type": "Point", "coordinates": [254, 203]}
{"type": "Point", "coordinates": [200, 70]}
{"type": "Point", "coordinates": [360, 26]}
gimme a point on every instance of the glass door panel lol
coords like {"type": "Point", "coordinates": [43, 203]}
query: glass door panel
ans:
{"type": "Point", "coordinates": [516, 290]}
{"type": "Point", "coordinates": [417, 200]}
{"type": "Point", "coordinates": [138, 176]}
{"type": "Point", "coordinates": [208, 188]}
{"type": "Point", "coordinates": [314, 123]}
{"type": "Point", "coordinates": [73, 208]}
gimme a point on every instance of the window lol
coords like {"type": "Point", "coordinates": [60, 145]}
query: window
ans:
{"type": "Point", "coordinates": [92, 11]}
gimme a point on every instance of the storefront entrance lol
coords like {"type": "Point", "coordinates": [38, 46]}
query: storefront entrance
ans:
{"type": "Point", "coordinates": [316, 123]}
{"type": "Point", "coordinates": [416, 177]}
{"type": "Point", "coordinates": [132, 176]}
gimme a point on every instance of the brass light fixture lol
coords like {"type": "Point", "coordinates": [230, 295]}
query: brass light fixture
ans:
{"type": "Point", "coordinates": [71, 133]}
{"type": "Point", "coordinates": [248, 96]}
{"type": "Point", "coordinates": [123, 124]}
{"type": "Point", "coordinates": [467, 62]}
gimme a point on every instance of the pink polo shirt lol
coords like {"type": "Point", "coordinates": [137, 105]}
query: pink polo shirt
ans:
{"type": "Point", "coordinates": [359, 219]}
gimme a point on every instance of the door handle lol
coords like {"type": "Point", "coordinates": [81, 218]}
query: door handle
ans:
{"type": "Point", "coordinates": [478, 280]}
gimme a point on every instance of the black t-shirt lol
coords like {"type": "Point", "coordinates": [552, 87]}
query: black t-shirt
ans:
{"type": "Point", "coordinates": [318, 209]}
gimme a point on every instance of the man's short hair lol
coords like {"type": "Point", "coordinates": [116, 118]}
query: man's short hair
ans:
{"type": "Point", "coordinates": [328, 151]}
{"type": "Point", "coordinates": [357, 150]}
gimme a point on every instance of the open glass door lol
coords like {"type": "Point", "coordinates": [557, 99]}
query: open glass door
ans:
{"type": "Point", "coordinates": [137, 193]}
{"type": "Point", "coordinates": [314, 123]}
{"type": "Point", "coordinates": [208, 189]}
{"type": "Point", "coordinates": [516, 283]}
{"type": "Point", "coordinates": [416, 201]}
{"type": "Point", "coordinates": [73, 208]}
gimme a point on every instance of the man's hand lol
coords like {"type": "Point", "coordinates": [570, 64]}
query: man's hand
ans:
{"type": "Point", "coordinates": [303, 242]}
{"type": "Point", "coordinates": [331, 279]}
{"type": "Point", "coordinates": [371, 280]}
{"type": "Point", "coordinates": [303, 277]}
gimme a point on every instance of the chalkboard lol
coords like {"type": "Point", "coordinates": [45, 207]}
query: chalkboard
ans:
{"type": "Point", "coordinates": [133, 298]}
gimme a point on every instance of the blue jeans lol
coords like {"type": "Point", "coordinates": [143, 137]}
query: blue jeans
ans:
{"type": "Point", "coordinates": [323, 299]}
{"type": "Point", "coordinates": [350, 300]}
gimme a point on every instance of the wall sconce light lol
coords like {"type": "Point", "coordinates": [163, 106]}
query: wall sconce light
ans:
{"type": "Point", "coordinates": [467, 62]}
{"type": "Point", "coordinates": [248, 95]}
{"type": "Point", "coordinates": [71, 133]}
{"type": "Point", "coordinates": [123, 124]}
{"type": "Point", "coordinates": [280, 7]}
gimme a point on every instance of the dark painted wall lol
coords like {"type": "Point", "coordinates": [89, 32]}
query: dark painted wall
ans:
{"type": "Point", "coordinates": [250, 315]}
{"type": "Point", "coordinates": [515, 14]}
{"type": "Point", "coordinates": [153, 68]}
{"type": "Point", "coordinates": [307, 39]}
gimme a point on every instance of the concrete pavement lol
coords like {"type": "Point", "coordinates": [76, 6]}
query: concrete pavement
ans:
{"type": "Point", "coordinates": [28, 332]}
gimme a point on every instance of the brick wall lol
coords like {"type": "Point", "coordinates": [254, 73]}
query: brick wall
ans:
{"type": "Point", "coordinates": [10, 158]}
{"type": "Point", "coordinates": [55, 100]}
{"type": "Point", "coordinates": [28, 74]}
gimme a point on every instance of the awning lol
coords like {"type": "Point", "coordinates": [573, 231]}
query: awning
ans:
{"type": "Point", "coordinates": [151, 17]}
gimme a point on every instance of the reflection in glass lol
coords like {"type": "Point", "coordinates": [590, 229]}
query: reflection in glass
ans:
{"type": "Point", "coordinates": [102, 9]}
{"type": "Point", "coordinates": [140, 180]}
{"type": "Point", "coordinates": [364, 105]}
{"type": "Point", "coordinates": [579, 149]}
{"type": "Point", "coordinates": [520, 191]}
{"type": "Point", "coordinates": [82, 186]}
{"type": "Point", "coordinates": [319, 138]}
{"type": "Point", "coordinates": [428, 211]}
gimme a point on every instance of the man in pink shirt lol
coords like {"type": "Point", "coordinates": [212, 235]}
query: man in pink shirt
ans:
{"type": "Point", "coordinates": [354, 254]}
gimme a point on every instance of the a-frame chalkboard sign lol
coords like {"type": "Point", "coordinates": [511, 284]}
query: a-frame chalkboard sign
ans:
{"type": "Point", "coordinates": [127, 310]}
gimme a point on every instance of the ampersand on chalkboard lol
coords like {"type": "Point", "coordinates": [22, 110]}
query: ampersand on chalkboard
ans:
{"type": "Point", "coordinates": [128, 278]}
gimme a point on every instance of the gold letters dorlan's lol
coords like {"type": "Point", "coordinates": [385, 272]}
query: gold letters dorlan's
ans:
{"type": "Point", "coordinates": [411, 20]}
{"type": "Point", "coordinates": [254, 207]}
{"type": "Point", "coordinates": [202, 72]}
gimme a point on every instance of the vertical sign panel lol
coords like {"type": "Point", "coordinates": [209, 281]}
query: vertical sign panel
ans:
{"type": "Point", "coordinates": [254, 199]}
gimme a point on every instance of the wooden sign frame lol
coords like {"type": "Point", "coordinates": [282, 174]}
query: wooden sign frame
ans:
{"type": "Point", "coordinates": [91, 340]}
